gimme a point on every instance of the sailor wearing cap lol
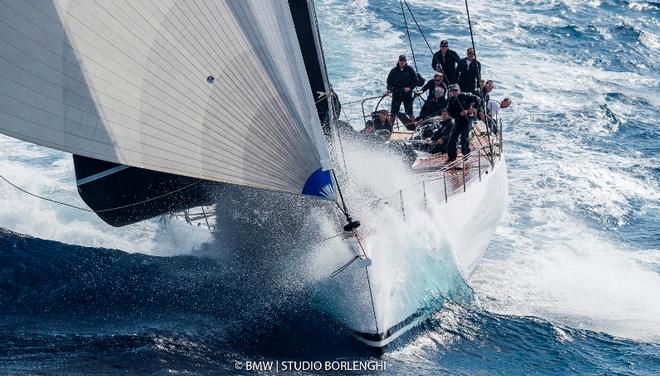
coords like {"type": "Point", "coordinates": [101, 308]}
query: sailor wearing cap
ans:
{"type": "Point", "coordinates": [400, 82]}
{"type": "Point", "coordinates": [460, 106]}
{"type": "Point", "coordinates": [445, 61]}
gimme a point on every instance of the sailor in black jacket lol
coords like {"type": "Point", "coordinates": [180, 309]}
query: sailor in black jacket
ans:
{"type": "Point", "coordinates": [431, 85]}
{"type": "Point", "coordinates": [440, 137]}
{"type": "Point", "coordinates": [469, 69]}
{"type": "Point", "coordinates": [382, 122]}
{"type": "Point", "coordinates": [435, 104]}
{"type": "Point", "coordinates": [445, 61]}
{"type": "Point", "coordinates": [400, 82]}
{"type": "Point", "coordinates": [461, 105]}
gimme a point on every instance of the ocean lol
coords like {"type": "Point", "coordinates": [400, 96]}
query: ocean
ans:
{"type": "Point", "coordinates": [569, 285]}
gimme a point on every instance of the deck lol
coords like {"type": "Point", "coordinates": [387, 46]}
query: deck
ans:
{"type": "Point", "coordinates": [447, 180]}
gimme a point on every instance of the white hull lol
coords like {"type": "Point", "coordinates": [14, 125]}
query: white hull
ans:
{"type": "Point", "coordinates": [409, 280]}
{"type": "Point", "coordinates": [417, 262]}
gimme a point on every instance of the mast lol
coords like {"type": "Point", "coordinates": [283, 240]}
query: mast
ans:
{"type": "Point", "coordinates": [307, 30]}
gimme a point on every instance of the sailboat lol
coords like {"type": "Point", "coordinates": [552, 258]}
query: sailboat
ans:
{"type": "Point", "coordinates": [162, 103]}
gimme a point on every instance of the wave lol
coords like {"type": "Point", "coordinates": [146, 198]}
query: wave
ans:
{"type": "Point", "coordinates": [77, 307]}
{"type": "Point", "coordinates": [581, 152]}
{"type": "Point", "coordinates": [46, 276]}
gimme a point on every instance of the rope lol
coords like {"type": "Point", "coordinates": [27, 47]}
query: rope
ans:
{"type": "Point", "coordinates": [149, 199]}
{"type": "Point", "coordinates": [351, 102]}
{"type": "Point", "coordinates": [344, 267]}
{"type": "Point", "coordinates": [102, 210]}
{"type": "Point", "coordinates": [44, 198]}
{"type": "Point", "coordinates": [331, 237]}
{"type": "Point", "coordinates": [342, 207]}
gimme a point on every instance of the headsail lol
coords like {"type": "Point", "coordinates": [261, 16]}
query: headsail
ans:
{"type": "Point", "coordinates": [210, 89]}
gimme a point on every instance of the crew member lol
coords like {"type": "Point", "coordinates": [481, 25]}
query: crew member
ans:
{"type": "Point", "coordinates": [431, 85]}
{"type": "Point", "coordinates": [486, 90]}
{"type": "Point", "coordinates": [400, 82]}
{"type": "Point", "coordinates": [494, 112]}
{"type": "Point", "coordinates": [382, 121]}
{"type": "Point", "coordinates": [445, 61]}
{"type": "Point", "coordinates": [434, 104]}
{"type": "Point", "coordinates": [468, 70]}
{"type": "Point", "coordinates": [440, 137]}
{"type": "Point", "coordinates": [461, 105]}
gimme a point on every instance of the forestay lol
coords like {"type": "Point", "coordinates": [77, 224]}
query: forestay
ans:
{"type": "Point", "coordinates": [210, 89]}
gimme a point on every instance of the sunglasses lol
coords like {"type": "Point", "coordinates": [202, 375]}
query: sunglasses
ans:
{"type": "Point", "coordinates": [454, 90]}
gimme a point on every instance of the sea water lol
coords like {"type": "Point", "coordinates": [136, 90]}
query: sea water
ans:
{"type": "Point", "coordinates": [570, 283]}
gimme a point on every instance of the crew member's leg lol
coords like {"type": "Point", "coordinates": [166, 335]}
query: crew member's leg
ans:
{"type": "Point", "coordinates": [408, 107]}
{"type": "Point", "coordinates": [396, 105]}
{"type": "Point", "coordinates": [453, 139]}
{"type": "Point", "coordinates": [465, 138]}
{"type": "Point", "coordinates": [425, 111]}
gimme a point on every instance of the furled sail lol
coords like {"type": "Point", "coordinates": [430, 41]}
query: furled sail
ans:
{"type": "Point", "coordinates": [216, 90]}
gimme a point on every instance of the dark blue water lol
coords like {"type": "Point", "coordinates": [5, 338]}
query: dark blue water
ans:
{"type": "Point", "coordinates": [570, 284]}
{"type": "Point", "coordinates": [77, 310]}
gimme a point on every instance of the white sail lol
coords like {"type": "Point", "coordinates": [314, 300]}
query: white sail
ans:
{"type": "Point", "coordinates": [204, 88]}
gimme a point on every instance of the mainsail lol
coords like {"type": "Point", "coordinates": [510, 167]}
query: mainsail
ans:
{"type": "Point", "coordinates": [216, 90]}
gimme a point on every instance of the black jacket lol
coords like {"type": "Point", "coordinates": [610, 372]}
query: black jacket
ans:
{"type": "Point", "coordinates": [448, 64]}
{"type": "Point", "coordinates": [378, 125]}
{"type": "Point", "coordinates": [432, 107]}
{"type": "Point", "coordinates": [443, 131]}
{"type": "Point", "coordinates": [460, 103]}
{"type": "Point", "coordinates": [467, 76]}
{"type": "Point", "coordinates": [398, 79]}
{"type": "Point", "coordinates": [430, 86]}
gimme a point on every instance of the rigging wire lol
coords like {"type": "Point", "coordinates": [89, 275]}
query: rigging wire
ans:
{"type": "Point", "coordinates": [420, 29]}
{"type": "Point", "coordinates": [481, 93]}
{"type": "Point", "coordinates": [405, 22]}
{"type": "Point", "coordinates": [412, 50]}
{"type": "Point", "coordinates": [333, 124]}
